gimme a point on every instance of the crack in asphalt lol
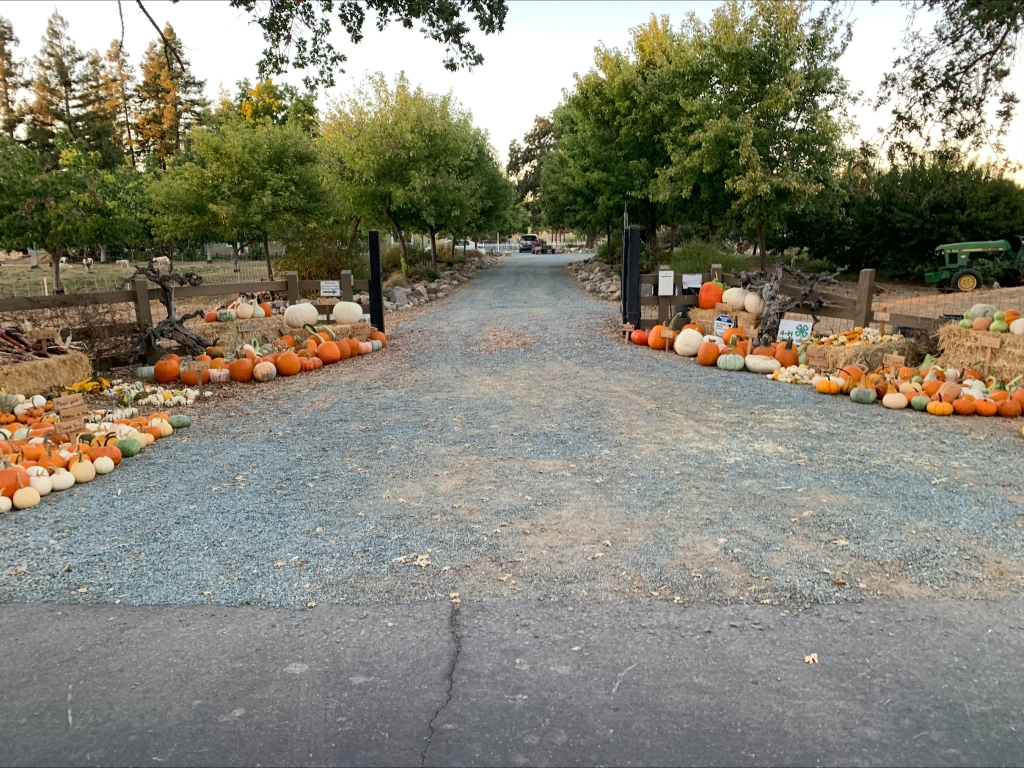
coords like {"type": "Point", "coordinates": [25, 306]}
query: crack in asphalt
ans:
{"type": "Point", "coordinates": [453, 627]}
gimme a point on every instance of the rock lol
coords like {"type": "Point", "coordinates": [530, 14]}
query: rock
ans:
{"type": "Point", "coordinates": [420, 290]}
{"type": "Point", "coordinates": [399, 296]}
{"type": "Point", "coordinates": [389, 306]}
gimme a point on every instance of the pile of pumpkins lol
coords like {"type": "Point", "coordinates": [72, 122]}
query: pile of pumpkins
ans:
{"type": "Point", "coordinates": [985, 317]}
{"type": "Point", "coordinates": [295, 316]}
{"type": "Point", "coordinates": [730, 352]}
{"type": "Point", "coordinates": [929, 388]}
{"type": "Point", "coordinates": [38, 460]}
{"type": "Point", "coordinates": [265, 362]}
{"type": "Point", "coordinates": [713, 293]}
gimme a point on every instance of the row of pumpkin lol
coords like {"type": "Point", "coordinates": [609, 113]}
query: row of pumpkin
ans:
{"type": "Point", "coordinates": [295, 316]}
{"type": "Point", "coordinates": [938, 391]}
{"type": "Point", "coordinates": [38, 460]}
{"type": "Point", "coordinates": [263, 363]}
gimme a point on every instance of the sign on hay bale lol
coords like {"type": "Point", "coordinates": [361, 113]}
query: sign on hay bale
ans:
{"type": "Point", "coordinates": [963, 348]}
{"type": "Point", "coordinates": [705, 318]}
{"type": "Point", "coordinates": [37, 376]}
{"type": "Point", "coordinates": [872, 355]}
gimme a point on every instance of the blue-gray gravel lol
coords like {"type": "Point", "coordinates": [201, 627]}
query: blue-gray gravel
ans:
{"type": "Point", "coordinates": [507, 444]}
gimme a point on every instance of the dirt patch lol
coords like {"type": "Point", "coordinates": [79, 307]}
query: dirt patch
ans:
{"type": "Point", "coordinates": [498, 338]}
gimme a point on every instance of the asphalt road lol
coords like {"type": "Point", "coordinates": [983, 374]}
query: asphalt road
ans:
{"type": "Point", "coordinates": [513, 683]}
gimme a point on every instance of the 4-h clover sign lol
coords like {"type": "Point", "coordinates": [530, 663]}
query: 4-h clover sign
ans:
{"type": "Point", "coordinates": [797, 330]}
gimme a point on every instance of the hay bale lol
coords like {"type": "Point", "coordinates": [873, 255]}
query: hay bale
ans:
{"type": "Point", "coordinates": [265, 329]}
{"type": "Point", "coordinates": [872, 355]}
{"type": "Point", "coordinates": [38, 376]}
{"type": "Point", "coordinates": [705, 318]}
{"type": "Point", "coordinates": [961, 349]}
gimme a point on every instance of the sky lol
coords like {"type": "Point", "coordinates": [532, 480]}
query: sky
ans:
{"type": "Point", "coordinates": [526, 67]}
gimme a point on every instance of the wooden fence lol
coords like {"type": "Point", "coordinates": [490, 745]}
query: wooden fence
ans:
{"type": "Point", "coordinates": [858, 310]}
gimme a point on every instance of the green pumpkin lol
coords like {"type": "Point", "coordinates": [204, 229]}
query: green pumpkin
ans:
{"type": "Point", "coordinates": [863, 395]}
{"type": "Point", "coordinates": [965, 323]}
{"type": "Point", "coordinates": [377, 347]}
{"type": "Point", "coordinates": [731, 362]}
{"type": "Point", "coordinates": [225, 315]}
{"type": "Point", "coordinates": [179, 421]}
{"type": "Point", "coordinates": [998, 326]}
{"type": "Point", "coordinates": [129, 447]}
{"type": "Point", "coordinates": [920, 402]}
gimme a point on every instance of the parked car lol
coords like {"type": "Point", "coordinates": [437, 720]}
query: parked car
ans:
{"type": "Point", "coordinates": [542, 246]}
{"type": "Point", "coordinates": [526, 243]}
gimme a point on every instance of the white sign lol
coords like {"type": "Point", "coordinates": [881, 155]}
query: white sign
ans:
{"type": "Point", "coordinates": [797, 330]}
{"type": "Point", "coordinates": [722, 324]}
{"type": "Point", "coordinates": [692, 281]}
{"type": "Point", "coordinates": [665, 279]}
{"type": "Point", "coordinates": [330, 288]}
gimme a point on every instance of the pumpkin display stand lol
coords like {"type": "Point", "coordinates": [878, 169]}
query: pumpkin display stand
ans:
{"type": "Point", "coordinates": [46, 373]}
{"type": "Point", "coordinates": [872, 355]}
{"type": "Point", "coordinates": [964, 348]}
{"type": "Point", "coordinates": [705, 318]}
{"type": "Point", "coordinates": [230, 336]}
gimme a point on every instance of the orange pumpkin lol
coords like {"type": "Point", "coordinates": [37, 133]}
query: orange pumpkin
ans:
{"type": "Point", "coordinates": [343, 349]}
{"type": "Point", "coordinates": [1008, 409]}
{"type": "Point", "coordinates": [379, 336]}
{"type": "Point", "coordinates": [730, 332]}
{"type": "Point", "coordinates": [112, 451]}
{"type": "Point", "coordinates": [964, 407]}
{"type": "Point", "coordinates": [288, 364]}
{"type": "Point", "coordinates": [11, 479]}
{"type": "Point", "coordinates": [1010, 315]}
{"type": "Point", "coordinates": [981, 323]}
{"type": "Point", "coordinates": [328, 352]}
{"type": "Point", "coordinates": [693, 327]}
{"type": "Point", "coordinates": [998, 395]}
{"type": "Point", "coordinates": [708, 353]}
{"type": "Point", "coordinates": [306, 364]}
{"type": "Point", "coordinates": [167, 370]}
{"type": "Point", "coordinates": [787, 356]}
{"type": "Point", "coordinates": [710, 295]}
{"type": "Point", "coordinates": [267, 309]}
{"type": "Point", "coordinates": [638, 337]}
{"type": "Point", "coordinates": [985, 407]}
{"type": "Point", "coordinates": [289, 340]}
{"type": "Point", "coordinates": [931, 387]}
{"type": "Point", "coordinates": [191, 378]}
{"type": "Point", "coordinates": [264, 372]}
{"type": "Point", "coordinates": [655, 339]}
{"type": "Point", "coordinates": [211, 317]}
{"type": "Point", "coordinates": [353, 346]}
{"type": "Point", "coordinates": [240, 370]}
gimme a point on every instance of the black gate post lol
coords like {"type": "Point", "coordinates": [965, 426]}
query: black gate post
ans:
{"type": "Point", "coordinates": [376, 283]}
{"type": "Point", "coordinates": [631, 288]}
{"type": "Point", "coordinates": [622, 254]}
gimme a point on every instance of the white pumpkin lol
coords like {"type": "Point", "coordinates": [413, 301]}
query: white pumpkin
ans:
{"type": "Point", "coordinates": [25, 497]}
{"type": "Point", "coordinates": [84, 471]}
{"type": "Point", "coordinates": [983, 310]}
{"type": "Point", "coordinates": [298, 315]}
{"type": "Point", "coordinates": [736, 297]}
{"type": "Point", "coordinates": [753, 303]}
{"type": "Point", "coordinates": [41, 483]}
{"type": "Point", "coordinates": [257, 310]}
{"type": "Point", "coordinates": [347, 313]}
{"type": "Point", "coordinates": [1017, 327]}
{"type": "Point", "coordinates": [715, 339]}
{"type": "Point", "coordinates": [37, 471]}
{"type": "Point", "coordinates": [761, 363]}
{"type": "Point", "coordinates": [688, 342]}
{"type": "Point", "coordinates": [38, 401]}
{"type": "Point", "coordinates": [244, 311]}
{"type": "Point", "coordinates": [61, 480]}
{"type": "Point", "coordinates": [104, 465]}
{"type": "Point", "coordinates": [895, 400]}
{"type": "Point", "coordinates": [5, 504]}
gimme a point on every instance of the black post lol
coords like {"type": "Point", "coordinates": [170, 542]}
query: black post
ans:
{"type": "Point", "coordinates": [631, 286]}
{"type": "Point", "coordinates": [625, 247]}
{"type": "Point", "coordinates": [376, 283]}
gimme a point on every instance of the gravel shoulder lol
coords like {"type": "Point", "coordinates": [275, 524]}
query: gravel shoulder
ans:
{"type": "Point", "coordinates": [507, 444]}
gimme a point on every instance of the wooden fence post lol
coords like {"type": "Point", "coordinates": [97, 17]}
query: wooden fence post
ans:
{"type": "Point", "coordinates": [376, 283]}
{"type": "Point", "coordinates": [293, 287]}
{"type": "Point", "coordinates": [143, 312]}
{"type": "Point", "coordinates": [632, 285]}
{"type": "Point", "coordinates": [865, 295]}
{"type": "Point", "coordinates": [346, 285]}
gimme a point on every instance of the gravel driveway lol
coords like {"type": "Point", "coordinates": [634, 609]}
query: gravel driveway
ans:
{"type": "Point", "coordinates": [509, 445]}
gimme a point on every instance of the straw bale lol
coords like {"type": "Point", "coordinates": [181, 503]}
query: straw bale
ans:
{"type": "Point", "coordinates": [961, 349]}
{"type": "Point", "coordinates": [705, 318]}
{"type": "Point", "coordinates": [265, 329]}
{"type": "Point", "coordinates": [872, 354]}
{"type": "Point", "coordinates": [38, 376]}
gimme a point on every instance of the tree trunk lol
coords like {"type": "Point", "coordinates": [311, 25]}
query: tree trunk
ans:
{"type": "Point", "coordinates": [610, 250]}
{"type": "Point", "coordinates": [591, 237]}
{"type": "Point", "coordinates": [266, 255]}
{"type": "Point", "coordinates": [433, 247]}
{"type": "Point", "coordinates": [711, 228]}
{"type": "Point", "coordinates": [760, 245]}
{"type": "Point", "coordinates": [355, 234]}
{"type": "Point", "coordinates": [207, 253]}
{"type": "Point", "coordinates": [33, 254]}
{"type": "Point", "coordinates": [234, 256]}
{"type": "Point", "coordinates": [58, 286]}
{"type": "Point", "coordinates": [401, 238]}
{"type": "Point", "coordinates": [652, 231]}
{"type": "Point", "coordinates": [103, 254]}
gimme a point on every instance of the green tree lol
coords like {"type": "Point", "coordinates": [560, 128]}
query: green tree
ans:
{"type": "Point", "coordinates": [278, 104]}
{"type": "Point", "coordinates": [526, 165]}
{"type": "Point", "coordinates": [763, 109]}
{"type": "Point", "coordinates": [170, 100]}
{"type": "Point", "coordinates": [12, 79]}
{"type": "Point", "coordinates": [950, 79]}
{"type": "Point", "coordinates": [118, 90]}
{"type": "Point", "coordinates": [298, 33]}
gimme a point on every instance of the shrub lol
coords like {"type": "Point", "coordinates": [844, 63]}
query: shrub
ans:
{"type": "Point", "coordinates": [695, 256]}
{"type": "Point", "coordinates": [432, 275]}
{"type": "Point", "coordinates": [320, 260]}
{"type": "Point", "coordinates": [391, 259]}
{"type": "Point", "coordinates": [396, 280]}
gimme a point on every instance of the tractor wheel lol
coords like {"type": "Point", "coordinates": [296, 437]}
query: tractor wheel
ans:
{"type": "Point", "coordinates": [967, 280]}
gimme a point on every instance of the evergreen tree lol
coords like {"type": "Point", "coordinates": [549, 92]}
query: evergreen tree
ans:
{"type": "Point", "coordinates": [119, 96]}
{"type": "Point", "coordinates": [11, 78]}
{"type": "Point", "coordinates": [96, 119]}
{"type": "Point", "coordinates": [170, 99]}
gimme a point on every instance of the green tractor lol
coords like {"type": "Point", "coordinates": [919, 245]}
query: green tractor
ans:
{"type": "Point", "coordinates": [968, 266]}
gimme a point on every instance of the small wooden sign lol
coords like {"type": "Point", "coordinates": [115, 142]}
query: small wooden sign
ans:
{"type": "Point", "coordinates": [330, 288]}
{"type": "Point", "coordinates": [196, 365]}
{"type": "Point", "coordinates": [882, 317]}
{"type": "Point", "coordinates": [720, 307]}
{"type": "Point", "coordinates": [68, 401]}
{"type": "Point", "coordinates": [246, 327]}
{"type": "Point", "coordinates": [816, 358]}
{"type": "Point", "coordinates": [989, 342]}
{"type": "Point", "coordinates": [71, 426]}
{"type": "Point", "coordinates": [894, 361]}
{"type": "Point", "coordinates": [281, 344]}
{"type": "Point", "coordinates": [74, 412]}
{"type": "Point", "coordinates": [749, 333]}
{"type": "Point", "coordinates": [42, 334]}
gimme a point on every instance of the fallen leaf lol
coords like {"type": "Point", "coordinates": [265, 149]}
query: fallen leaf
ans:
{"type": "Point", "coordinates": [722, 541]}
{"type": "Point", "coordinates": [596, 555]}
{"type": "Point", "coordinates": [311, 604]}
{"type": "Point", "coordinates": [840, 542]}
{"type": "Point", "coordinates": [697, 575]}
{"type": "Point", "coordinates": [766, 602]}
{"type": "Point", "coordinates": [506, 577]}
{"type": "Point", "coordinates": [811, 659]}
{"type": "Point", "coordinates": [207, 593]}
{"type": "Point", "coordinates": [808, 513]}
{"type": "Point", "coordinates": [436, 517]}
{"type": "Point", "coordinates": [839, 583]}
{"type": "Point", "coordinates": [607, 543]}
{"type": "Point", "coordinates": [18, 571]}
{"type": "Point", "coordinates": [575, 647]}
{"type": "Point", "coordinates": [82, 590]}
{"type": "Point", "coordinates": [280, 564]}
{"type": "Point", "coordinates": [654, 593]}
{"type": "Point", "coordinates": [446, 569]}
{"type": "Point", "coordinates": [454, 596]}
